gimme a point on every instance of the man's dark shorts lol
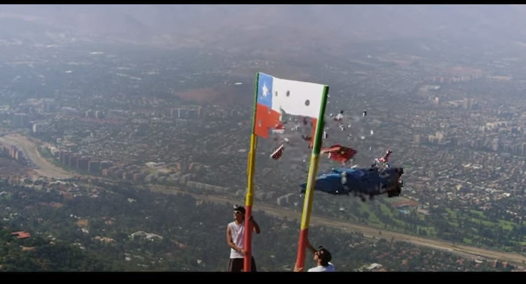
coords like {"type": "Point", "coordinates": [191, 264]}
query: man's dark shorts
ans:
{"type": "Point", "coordinates": [237, 265]}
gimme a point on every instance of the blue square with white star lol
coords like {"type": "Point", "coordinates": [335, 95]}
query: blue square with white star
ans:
{"type": "Point", "coordinates": [265, 90]}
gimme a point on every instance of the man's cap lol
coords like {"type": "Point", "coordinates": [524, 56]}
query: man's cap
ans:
{"type": "Point", "coordinates": [239, 208]}
{"type": "Point", "coordinates": [324, 254]}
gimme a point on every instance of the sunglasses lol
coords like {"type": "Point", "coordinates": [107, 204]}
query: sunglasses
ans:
{"type": "Point", "coordinates": [237, 212]}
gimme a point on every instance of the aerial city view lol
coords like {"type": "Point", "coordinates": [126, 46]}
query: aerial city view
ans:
{"type": "Point", "coordinates": [125, 137]}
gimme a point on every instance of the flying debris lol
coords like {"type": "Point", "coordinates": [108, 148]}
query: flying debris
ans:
{"type": "Point", "coordinates": [291, 130]}
{"type": "Point", "coordinates": [238, 83]}
{"type": "Point", "coordinates": [279, 128]}
{"type": "Point", "coordinates": [278, 152]}
{"type": "Point", "coordinates": [361, 182]}
{"type": "Point", "coordinates": [383, 161]}
{"type": "Point", "coordinates": [385, 158]}
{"type": "Point", "coordinates": [339, 116]}
{"type": "Point", "coordinates": [308, 139]}
{"type": "Point", "coordinates": [339, 153]}
{"type": "Point", "coordinates": [345, 122]}
{"type": "Point", "coordinates": [301, 129]}
{"type": "Point", "coordinates": [290, 136]}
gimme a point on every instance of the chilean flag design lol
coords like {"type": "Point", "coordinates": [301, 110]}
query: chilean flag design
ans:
{"type": "Point", "coordinates": [276, 96]}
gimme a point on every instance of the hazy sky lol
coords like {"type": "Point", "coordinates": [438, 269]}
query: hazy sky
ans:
{"type": "Point", "coordinates": [209, 23]}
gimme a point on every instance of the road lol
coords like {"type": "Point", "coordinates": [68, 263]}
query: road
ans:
{"type": "Point", "coordinates": [465, 251]}
{"type": "Point", "coordinates": [48, 169]}
{"type": "Point", "coordinates": [44, 167]}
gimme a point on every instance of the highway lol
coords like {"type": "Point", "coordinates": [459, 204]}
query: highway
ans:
{"type": "Point", "coordinates": [461, 250]}
{"type": "Point", "coordinates": [44, 167]}
{"type": "Point", "coordinates": [48, 169]}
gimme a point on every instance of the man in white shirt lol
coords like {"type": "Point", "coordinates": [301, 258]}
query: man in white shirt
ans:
{"type": "Point", "coordinates": [235, 235]}
{"type": "Point", "coordinates": [322, 257]}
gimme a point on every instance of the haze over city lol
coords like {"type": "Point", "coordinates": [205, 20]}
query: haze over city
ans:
{"type": "Point", "coordinates": [125, 132]}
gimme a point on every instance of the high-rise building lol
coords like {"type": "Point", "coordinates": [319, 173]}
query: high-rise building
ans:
{"type": "Point", "coordinates": [73, 161]}
{"type": "Point", "coordinates": [83, 163]}
{"type": "Point", "coordinates": [94, 167]}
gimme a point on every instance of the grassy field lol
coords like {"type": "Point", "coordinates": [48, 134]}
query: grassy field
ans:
{"type": "Point", "coordinates": [383, 209]}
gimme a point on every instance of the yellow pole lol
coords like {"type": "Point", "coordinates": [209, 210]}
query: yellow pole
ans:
{"type": "Point", "coordinates": [311, 180]}
{"type": "Point", "coordinates": [249, 199]}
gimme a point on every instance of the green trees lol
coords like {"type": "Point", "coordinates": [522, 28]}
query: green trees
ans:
{"type": "Point", "coordinates": [181, 233]}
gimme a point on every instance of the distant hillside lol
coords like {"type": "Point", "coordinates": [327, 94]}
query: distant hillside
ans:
{"type": "Point", "coordinates": [274, 26]}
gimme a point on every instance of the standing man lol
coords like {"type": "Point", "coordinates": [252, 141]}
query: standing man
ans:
{"type": "Point", "coordinates": [235, 235]}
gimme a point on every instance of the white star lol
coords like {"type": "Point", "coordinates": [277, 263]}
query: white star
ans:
{"type": "Point", "coordinates": [265, 90]}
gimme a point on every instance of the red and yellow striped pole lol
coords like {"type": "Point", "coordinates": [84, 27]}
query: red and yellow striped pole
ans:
{"type": "Point", "coordinates": [311, 180]}
{"type": "Point", "coordinates": [247, 264]}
